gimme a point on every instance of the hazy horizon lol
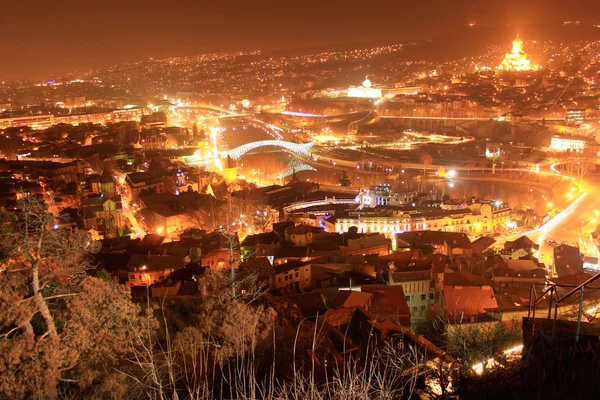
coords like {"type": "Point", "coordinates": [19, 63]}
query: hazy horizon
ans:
{"type": "Point", "coordinates": [48, 40]}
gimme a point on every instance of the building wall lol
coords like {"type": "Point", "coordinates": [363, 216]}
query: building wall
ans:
{"type": "Point", "coordinates": [392, 224]}
{"type": "Point", "coordinates": [301, 239]}
{"type": "Point", "coordinates": [146, 278]}
{"type": "Point", "coordinates": [490, 219]}
{"type": "Point", "coordinates": [134, 191]}
{"type": "Point", "coordinates": [372, 198]}
{"type": "Point", "coordinates": [218, 259]}
{"type": "Point", "coordinates": [525, 283]}
{"type": "Point", "coordinates": [419, 296]}
{"type": "Point", "coordinates": [296, 279]}
{"type": "Point", "coordinates": [382, 250]}
{"type": "Point", "coordinates": [565, 144]}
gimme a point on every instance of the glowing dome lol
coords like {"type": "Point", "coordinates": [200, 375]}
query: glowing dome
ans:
{"type": "Point", "coordinates": [366, 90]}
{"type": "Point", "coordinates": [366, 83]}
{"type": "Point", "coordinates": [517, 59]}
{"type": "Point", "coordinates": [517, 45]}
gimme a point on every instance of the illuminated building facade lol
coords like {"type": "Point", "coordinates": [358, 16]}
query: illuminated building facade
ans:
{"type": "Point", "coordinates": [34, 121]}
{"type": "Point", "coordinates": [517, 59]}
{"type": "Point", "coordinates": [127, 114]}
{"type": "Point", "coordinates": [567, 143]}
{"type": "Point", "coordinates": [575, 116]}
{"type": "Point", "coordinates": [230, 171]}
{"type": "Point", "coordinates": [366, 91]}
{"type": "Point", "coordinates": [478, 218]}
{"type": "Point", "coordinates": [383, 196]}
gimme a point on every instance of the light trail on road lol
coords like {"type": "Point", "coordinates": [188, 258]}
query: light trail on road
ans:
{"type": "Point", "coordinates": [560, 217]}
{"type": "Point", "coordinates": [478, 368]}
{"type": "Point", "coordinates": [544, 230]}
{"type": "Point", "coordinates": [301, 114]}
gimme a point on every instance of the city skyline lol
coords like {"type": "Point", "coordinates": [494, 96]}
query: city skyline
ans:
{"type": "Point", "coordinates": [64, 38]}
{"type": "Point", "coordinates": [300, 200]}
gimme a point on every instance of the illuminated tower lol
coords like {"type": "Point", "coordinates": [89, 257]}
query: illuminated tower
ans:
{"type": "Point", "coordinates": [517, 45]}
{"type": "Point", "coordinates": [107, 184]}
{"type": "Point", "coordinates": [230, 171]}
{"type": "Point", "coordinates": [179, 182]}
{"type": "Point", "coordinates": [517, 59]}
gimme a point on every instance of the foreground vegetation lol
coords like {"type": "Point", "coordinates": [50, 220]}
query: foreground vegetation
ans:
{"type": "Point", "coordinates": [67, 334]}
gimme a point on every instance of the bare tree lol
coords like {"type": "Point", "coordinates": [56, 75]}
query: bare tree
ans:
{"type": "Point", "coordinates": [45, 316]}
{"type": "Point", "coordinates": [207, 216]}
{"type": "Point", "coordinates": [483, 164]}
{"type": "Point", "coordinates": [425, 159]}
{"type": "Point", "coordinates": [246, 214]}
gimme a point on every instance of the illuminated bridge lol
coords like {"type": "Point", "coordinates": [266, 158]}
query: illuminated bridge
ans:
{"type": "Point", "coordinates": [345, 199]}
{"type": "Point", "coordinates": [296, 166]}
{"type": "Point", "coordinates": [239, 151]}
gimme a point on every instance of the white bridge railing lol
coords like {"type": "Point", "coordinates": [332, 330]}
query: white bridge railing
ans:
{"type": "Point", "coordinates": [297, 148]}
{"type": "Point", "coordinates": [327, 200]}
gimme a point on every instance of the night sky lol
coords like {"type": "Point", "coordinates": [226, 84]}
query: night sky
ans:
{"type": "Point", "coordinates": [39, 38]}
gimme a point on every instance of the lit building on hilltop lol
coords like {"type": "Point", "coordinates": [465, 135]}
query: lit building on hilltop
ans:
{"type": "Point", "coordinates": [368, 91]}
{"type": "Point", "coordinates": [365, 91]}
{"type": "Point", "coordinates": [517, 60]}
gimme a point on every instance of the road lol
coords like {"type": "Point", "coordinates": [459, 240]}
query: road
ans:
{"type": "Point", "coordinates": [567, 225]}
{"type": "Point", "coordinates": [574, 221]}
{"type": "Point", "coordinates": [134, 223]}
{"type": "Point", "coordinates": [563, 227]}
{"type": "Point", "coordinates": [127, 209]}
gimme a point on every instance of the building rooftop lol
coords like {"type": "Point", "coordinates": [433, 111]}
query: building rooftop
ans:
{"type": "Point", "coordinates": [351, 298]}
{"type": "Point", "coordinates": [106, 177]}
{"type": "Point", "coordinates": [468, 301]}
{"type": "Point", "coordinates": [137, 262]}
{"type": "Point", "coordinates": [436, 238]}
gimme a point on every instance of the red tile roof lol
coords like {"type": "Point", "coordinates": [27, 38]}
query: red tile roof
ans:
{"type": "Point", "coordinates": [389, 301]}
{"type": "Point", "coordinates": [468, 300]}
{"type": "Point", "coordinates": [351, 298]}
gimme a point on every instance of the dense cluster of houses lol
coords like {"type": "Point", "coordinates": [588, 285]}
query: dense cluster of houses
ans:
{"type": "Point", "coordinates": [431, 275]}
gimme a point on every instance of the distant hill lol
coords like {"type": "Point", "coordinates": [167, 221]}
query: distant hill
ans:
{"type": "Point", "coordinates": [469, 41]}
{"type": "Point", "coordinates": [461, 42]}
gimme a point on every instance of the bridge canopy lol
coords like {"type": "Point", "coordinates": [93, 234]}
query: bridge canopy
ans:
{"type": "Point", "coordinates": [239, 151]}
{"type": "Point", "coordinates": [296, 166]}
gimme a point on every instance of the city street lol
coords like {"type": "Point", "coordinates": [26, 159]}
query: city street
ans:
{"type": "Point", "coordinates": [567, 225]}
